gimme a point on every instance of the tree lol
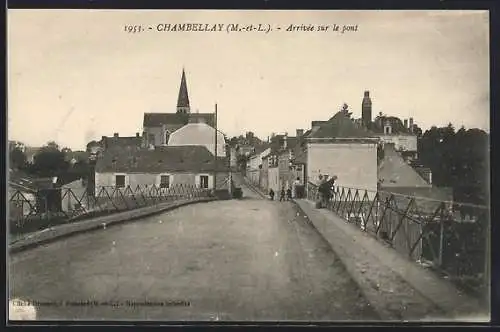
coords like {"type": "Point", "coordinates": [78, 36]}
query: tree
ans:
{"type": "Point", "coordinates": [17, 158]}
{"type": "Point", "coordinates": [51, 145]}
{"type": "Point", "coordinates": [459, 160]}
{"type": "Point", "coordinates": [49, 161]}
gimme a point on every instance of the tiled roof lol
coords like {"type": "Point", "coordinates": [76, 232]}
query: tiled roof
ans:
{"type": "Point", "coordinates": [121, 142]}
{"type": "Point", "coordinates": [393, 171]}
{"type": "Point", "coordinates": [161, 159]}
{"type": "Point", "coordinates": [340, 126]}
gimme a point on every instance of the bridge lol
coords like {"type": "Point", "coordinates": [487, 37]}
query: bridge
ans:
{"type": "Point", "coordinates": [235, 260]}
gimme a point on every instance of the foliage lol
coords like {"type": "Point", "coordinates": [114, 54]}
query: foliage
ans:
{"type": "Point", "coordinates": [459, 160]}
{"type": "Point", "coordinates": [17, 158]}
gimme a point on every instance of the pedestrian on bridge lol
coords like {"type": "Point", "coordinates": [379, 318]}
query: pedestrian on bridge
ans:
{"type": "Point", "coordinates": [282, 194]}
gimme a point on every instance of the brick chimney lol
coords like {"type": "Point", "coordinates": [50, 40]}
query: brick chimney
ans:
{"type": "Point", "coordinates": [285, 141]}
{"type": "Point", "coordinates": [411, 125]}
{"type": "Point", "coordinates": [406, 123]}
{"type": "Point", "coordinates": [299, 132]}
{"type": "Point", "coordinates": [115, 135]}
{"type": "Point", "coordinates": [366, 109]}
{"type": "Point", "coordinates": [137, 135]}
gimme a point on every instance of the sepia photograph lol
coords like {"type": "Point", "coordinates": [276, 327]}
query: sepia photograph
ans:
{"type": "Point", "coordinates": [290, 166]}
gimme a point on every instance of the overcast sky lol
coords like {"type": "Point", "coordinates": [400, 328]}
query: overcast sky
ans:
{"type": "Point", "coordinates": [75, 75]}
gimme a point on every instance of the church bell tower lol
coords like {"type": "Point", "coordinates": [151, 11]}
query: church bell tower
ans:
{"type": "Point", "coordinates": [183, 100]}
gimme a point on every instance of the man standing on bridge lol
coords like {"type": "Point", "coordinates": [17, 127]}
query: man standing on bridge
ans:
{"type": "Point", "coordinates": [326, 190]}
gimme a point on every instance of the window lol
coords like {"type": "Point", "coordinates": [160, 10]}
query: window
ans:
{"type": "Point", "coordinates": [165, 181]}
{"type": "Point", "coordinates": [151, 139]}
{"type": "Point", "coordinates": [204, 181]}
{"type": "Point", "coordinates": [120, 181]}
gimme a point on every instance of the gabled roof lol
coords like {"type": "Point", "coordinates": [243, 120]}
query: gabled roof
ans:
{"type": "Point", "coordinates": [340, 126]}
{"type": "Point", "coordinates": [393, 171]}
{"type": "Point", "coordinates": [161, 159]}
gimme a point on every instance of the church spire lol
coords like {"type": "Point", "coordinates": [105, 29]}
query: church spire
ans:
{"type": "Point", "coordinates": [183, 100]}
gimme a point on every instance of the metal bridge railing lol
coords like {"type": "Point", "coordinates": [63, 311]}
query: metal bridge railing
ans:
{"type": "Point", "coordinates": [29, 212]}
{"type": "Point", "coordinates": [452, 238]}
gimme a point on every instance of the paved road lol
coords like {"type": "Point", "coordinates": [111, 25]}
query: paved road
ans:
{"type": "Point", "coordinates": [249, 259]}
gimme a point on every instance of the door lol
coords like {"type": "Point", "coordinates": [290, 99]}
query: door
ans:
{"type": "Point", "coordinates": [204, 181]}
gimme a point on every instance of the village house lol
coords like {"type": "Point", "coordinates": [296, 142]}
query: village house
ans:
{"type": "Point", "coordinates": [254, 164]}
{"type": "Point", "coordinates": [342, 148]}
{"type": "Point", "coordinates": [157, 127]}
{"type": "Point", "coordinates": [275, 164]}
{"type": "Point", "coordinates": [164, 167]}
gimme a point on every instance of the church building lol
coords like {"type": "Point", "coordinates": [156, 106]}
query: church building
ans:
{"type": "Point", "coordinates": [157, 127]}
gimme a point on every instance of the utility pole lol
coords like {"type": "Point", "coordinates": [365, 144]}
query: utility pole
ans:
{"type": "Point", "coordinates": [215, 149]}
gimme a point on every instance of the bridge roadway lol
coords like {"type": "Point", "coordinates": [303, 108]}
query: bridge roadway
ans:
{"type": "Point", "coordinates": [249, 259]}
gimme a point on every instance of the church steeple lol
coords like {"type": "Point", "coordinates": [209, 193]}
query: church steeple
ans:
{"type": "Point", "coordinates": [183, 100]}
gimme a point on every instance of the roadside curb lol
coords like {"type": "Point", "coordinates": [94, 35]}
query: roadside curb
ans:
{"type": "Point", "coordinates": [379, 310]}
{"type": "Point", "coordinates": [66, 230]}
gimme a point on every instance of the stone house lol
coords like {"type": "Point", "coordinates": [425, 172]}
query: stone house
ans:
{"type": "Point", "coordinates": [341, 147]}
{"type": "Point", "coordinates": [162, 166]}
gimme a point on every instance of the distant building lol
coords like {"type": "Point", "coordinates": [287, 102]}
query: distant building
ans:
{"type": "Point", "coordinates": [157, 127]}
{"type": "Point", "coordinates": [199, 134]}
{"type": "Point", "coordinates": [393, 131]}
{"type": "Point", "coordinates": [163, 166]}
{"type": "Point", "coordinates": [390, 129]}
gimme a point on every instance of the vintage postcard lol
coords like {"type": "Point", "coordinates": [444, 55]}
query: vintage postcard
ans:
{"type": "Point", "coordinates": [248, 166]}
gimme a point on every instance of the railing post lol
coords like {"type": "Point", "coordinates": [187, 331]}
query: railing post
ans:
{"type": "Point", "coordinates": [441, 240]}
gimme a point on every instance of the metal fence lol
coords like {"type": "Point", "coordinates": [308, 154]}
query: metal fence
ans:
{"type": "Point", "coordinates": [451, 238]}
{"type": "Point", "coordinates": [37, 210]}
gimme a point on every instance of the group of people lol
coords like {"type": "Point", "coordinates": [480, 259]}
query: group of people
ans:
{"type": "Point", "coordinates": [285, 194]}
{"type": "Point", "coordinates": [325, 190]}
